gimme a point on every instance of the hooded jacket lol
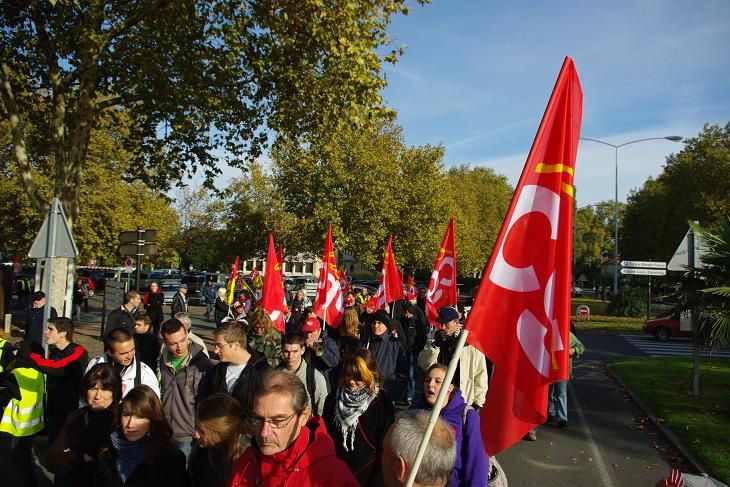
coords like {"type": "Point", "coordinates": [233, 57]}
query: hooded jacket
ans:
{"type": "Point", "coordinates": [309, 462]}
{"type": "Point", "coordinates": [472, 463]}
{"type": "Point", "coordinates": [179, 389]}
{"type": "Point", "coordinates": [215, 381]}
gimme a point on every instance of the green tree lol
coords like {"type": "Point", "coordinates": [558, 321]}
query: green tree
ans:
{"type": "Point", "coordinates": [199, 81]}
{"type": "Point", "coordinates": [199, 240]}
{"type": "Point", "coordinates": [366, 184]}
{"type": "Point", "coordinates": [478, 198]}
{"type": "Point", "coordinates": [694, 185]}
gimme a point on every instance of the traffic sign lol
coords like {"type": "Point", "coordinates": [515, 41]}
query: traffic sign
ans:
{"type": "Point", "coordinates": [131, 236]}
{"type": "Point", "coordinates": [583, 310]}
{"type": "Point", "coordinates": [644, 272]}
{"type": "Point", "coordinates": [54, 239]}
{"type": "Point", "coordinates": [128, 262]}
{"type": "Point", "coordinates": [131, 249]}
{"type": "Point", "coordinates": [643, 263]}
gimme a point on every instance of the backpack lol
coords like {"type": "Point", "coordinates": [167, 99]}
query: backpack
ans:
{"type": "Point", "coordinates": [497, 477]}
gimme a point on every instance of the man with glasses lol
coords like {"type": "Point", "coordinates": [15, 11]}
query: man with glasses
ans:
{"type": "Point", "coordinates": [119, 351]}
{"type": "Point", "coordinates": [182, 367]}
{"type": "Point", "coordinates": [289, 446]}
{"type": "Point", "coordinates": [238, 370]}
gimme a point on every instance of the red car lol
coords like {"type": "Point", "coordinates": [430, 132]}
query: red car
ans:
{"type": "Point", "coordinates": [664, 328]}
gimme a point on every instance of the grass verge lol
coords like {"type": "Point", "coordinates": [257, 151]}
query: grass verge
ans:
{"type": "Point", "coordinates": [602, 322]}
{"type": "Point", "coordinates": [703, 421]}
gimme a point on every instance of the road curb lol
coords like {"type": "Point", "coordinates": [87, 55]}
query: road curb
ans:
{"type": "Point", "coordinates": [700, 467]}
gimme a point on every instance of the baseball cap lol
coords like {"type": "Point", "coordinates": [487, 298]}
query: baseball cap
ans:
{"type": "Point", "coordinates": [312, 324]}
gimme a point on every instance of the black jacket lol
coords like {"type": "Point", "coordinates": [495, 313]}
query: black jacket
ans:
{"type": "Point", "coordinates": [34, 323]}
{"type": "Point", "coordinates": [179, 304]}
{"type": "Point", "coordinates": [220, 311]}
{"type": "Point", "coordinates": [165, 468]}
{"type": "Point", "coordinates": [148, 349]}
{"type": "Point", "coordinates": [365, 458]}
{"type": "Point", "coordinates": [121, 318]}
{"type": "Point", "coordinates": [416, 330]}
{"type": "Point", "coordinates": [215, 381]}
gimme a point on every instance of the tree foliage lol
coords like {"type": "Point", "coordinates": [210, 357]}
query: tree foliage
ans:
{"type": "Point", "coordinates": [694, 185]}
{"type": "Point", "coordinates": [109, 206]}
{"type": "Point", "coordinates": [594, 232]}
{"type": "Point", "coordinates": [478, 198]}
{"type": "Point", "coordinates": [198, 80]}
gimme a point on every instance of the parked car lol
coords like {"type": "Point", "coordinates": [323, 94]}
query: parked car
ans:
{"type": "Point", "coordinates": [576, 291]}
{"type": "Point", "coordinates": [665, 328]}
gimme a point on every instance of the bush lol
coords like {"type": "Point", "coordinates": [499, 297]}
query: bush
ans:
{"type": "Point", "coordinates": [631, 301]}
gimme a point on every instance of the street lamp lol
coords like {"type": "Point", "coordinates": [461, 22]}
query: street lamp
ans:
{"type": "Point", "coordinates": [673, 138]}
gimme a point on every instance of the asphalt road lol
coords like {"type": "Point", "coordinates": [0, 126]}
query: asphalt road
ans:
{"type": "Point", "coordinates": [608, 442]}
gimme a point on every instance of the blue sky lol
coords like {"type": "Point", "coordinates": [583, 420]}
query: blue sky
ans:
{"type": "Point", "coordinates": [477, 75]}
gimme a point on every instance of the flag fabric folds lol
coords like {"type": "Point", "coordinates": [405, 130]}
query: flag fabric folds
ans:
{"type": "Point", "coordinates": [442, 286]}
{"type": "Point", "coordinates": [521, 314]}
{"type": "Point", "coordinates": [231, 285]}
{"type": "Point", "coordinates": [328, 304]}
{"type": "Point", "coordinates": [391, 284]}
{"type": "Point", "coordinates": [273, 289]}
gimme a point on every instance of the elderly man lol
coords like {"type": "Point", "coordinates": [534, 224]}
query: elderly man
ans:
{"type": "Point", "coordinates": [472, 371]}
{"type": "Point", "coordinates": [180, 300]}
{"type": "Point", "coordinates": [401, 444]}
{"type": "Point", "coordinates": [290, 447]}
{"type": "Point", "coordinates": [182, 367]}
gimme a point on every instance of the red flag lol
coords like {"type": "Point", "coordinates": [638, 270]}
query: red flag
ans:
{"type": "Point", "coordinates": [344, 282]}
{"type": "Point", "coordinates": [254, 273]}
{"type": "Point", "coordinates": [280, 259]}
{"type": "Point", "coordinates": [273, 288]}
{"type": "Point", "coordinates": [391, 284]}
{"type": "Point", "coordinates": [442, 286]}
{"type": "Point", "coordinates": [521, 314]}
{"type": "Point", "coordinates": [328, 303]}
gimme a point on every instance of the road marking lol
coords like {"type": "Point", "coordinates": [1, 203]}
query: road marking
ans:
{"type": "Point", "coordinates": [607, 480]}
{"type": "Point", "coordinates": [673, 348]}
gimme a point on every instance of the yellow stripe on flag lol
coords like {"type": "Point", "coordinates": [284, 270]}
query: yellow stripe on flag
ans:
{"type": "Point", "coordinates": [568, 189]}
{"type": "Point", "coordinates": [553, 168]}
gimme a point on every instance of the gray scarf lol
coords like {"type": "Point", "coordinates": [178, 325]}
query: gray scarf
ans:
{"type": "Point", "coordinates": [350, 406]}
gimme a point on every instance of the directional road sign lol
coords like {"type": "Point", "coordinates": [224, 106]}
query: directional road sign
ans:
{"type": "Point", "coordinates": [643, 263]}
{"type": "Point", "coordinates": [131, 249]}
{"type": "Point", "coordinates": [644, 272]}
{"type": "Point", "coordinates": [131, 236]}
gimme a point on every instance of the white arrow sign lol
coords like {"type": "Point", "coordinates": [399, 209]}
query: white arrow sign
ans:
{"type": "Point", "coordinates": [643, 263]}
{"type": "Point", "coordinates": [644, 272]}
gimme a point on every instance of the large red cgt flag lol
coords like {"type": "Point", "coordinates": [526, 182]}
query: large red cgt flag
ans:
{"type": "Point", "coordinates": [328, 303]}
{"type": "Point", "coordinates": [273, 298]}
{"type": "Point", "coordinates": [442, 287]}
{"type": "Point", "coordinates": [391, 284]}
{"type": "Point", "coordinates": [521, 314]}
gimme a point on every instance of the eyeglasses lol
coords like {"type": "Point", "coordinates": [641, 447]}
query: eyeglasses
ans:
{"type": "Point", "coordinates": [219, 346]}
{"type": "Point", "coordinates": [276, 424]}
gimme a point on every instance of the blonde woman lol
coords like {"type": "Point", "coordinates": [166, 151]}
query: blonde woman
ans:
{"type": "Point", "coordinates": [219, 441]}
{"type": "Point", "coordinates": [349, 340]}
{"type": "Point", "coordinates": [357, 415]}
{"type": "Point", "coordinates": [264, 338]}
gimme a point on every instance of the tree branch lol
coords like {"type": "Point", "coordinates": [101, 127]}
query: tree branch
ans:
{"type": "Point", "coordinates": [18, 138]}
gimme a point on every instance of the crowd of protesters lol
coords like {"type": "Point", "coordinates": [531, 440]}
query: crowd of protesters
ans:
{"type": "Point", "coordinates": [310, 405]}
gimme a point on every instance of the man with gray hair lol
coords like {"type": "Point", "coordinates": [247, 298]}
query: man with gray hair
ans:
{"type": "Point", "coordinates": [400, 448]}
{"type": "Point", "coordinates": [188, 324]}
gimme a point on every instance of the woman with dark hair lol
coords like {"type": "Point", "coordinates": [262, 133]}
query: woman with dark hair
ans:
{"type": "Point", "coordinates": [357, 415]}
{"type": "Point", "coordinates": [153, 301]}
{"type": "Point", "coordinates": [142, 453]}
{"type": "Point", "coordinates": [87, 431]}
{"type": "Point", "coordinates": [472, 463]}
{"type": "Point", "coordinates": [219, 441]}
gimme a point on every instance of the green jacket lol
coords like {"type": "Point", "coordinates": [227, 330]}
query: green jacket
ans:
{"type": "Point", "coordinates": [579, 349]}
{"type": "Point", "coordinates": [268, 344]}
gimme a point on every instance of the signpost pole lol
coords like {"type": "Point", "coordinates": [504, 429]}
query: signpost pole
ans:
{"type": "Point", "coordinates": [140, 253]}
{"type": "Point", "coordinates": [695, 343]}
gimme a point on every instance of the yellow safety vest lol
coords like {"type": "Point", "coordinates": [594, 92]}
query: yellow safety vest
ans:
{"type": "Point", "coordinates": [25, 417]}
{"type": "Point", "coordinates": [2, 344]}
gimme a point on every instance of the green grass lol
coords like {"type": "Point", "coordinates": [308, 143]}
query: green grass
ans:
{"type": "Point", "coordinates": [602, 322]}
{"type": "Point", "coordinates": [703, 421]}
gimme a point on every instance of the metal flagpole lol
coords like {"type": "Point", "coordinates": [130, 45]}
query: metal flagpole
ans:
{"type": "Point", "coordinates": [436, 409]}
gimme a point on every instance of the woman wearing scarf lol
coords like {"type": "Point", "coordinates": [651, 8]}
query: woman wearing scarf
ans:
{"type": "Point", "coordinates": [264, 338]}
{"type": "Point", "coordinates": [142, 453]}
{"type": "Point", "coordinates": [87, 431]}
{"type": "Point", "coordinates": [153, 301]}
{"type": "Point", "coordinates": [357, 415]}
{"type": "Point", "coordinates": [472, 463]}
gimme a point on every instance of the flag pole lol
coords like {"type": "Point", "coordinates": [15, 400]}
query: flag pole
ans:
{"type": "Point", "coordinates": [437, 407]}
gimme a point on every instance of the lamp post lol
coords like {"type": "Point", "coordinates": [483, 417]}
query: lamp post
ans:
{"type": "Point", "coordinates": [673, 138]}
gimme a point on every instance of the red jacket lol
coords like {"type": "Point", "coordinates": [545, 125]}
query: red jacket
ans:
{"type": "Point", "coordinates": [309, 462]}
